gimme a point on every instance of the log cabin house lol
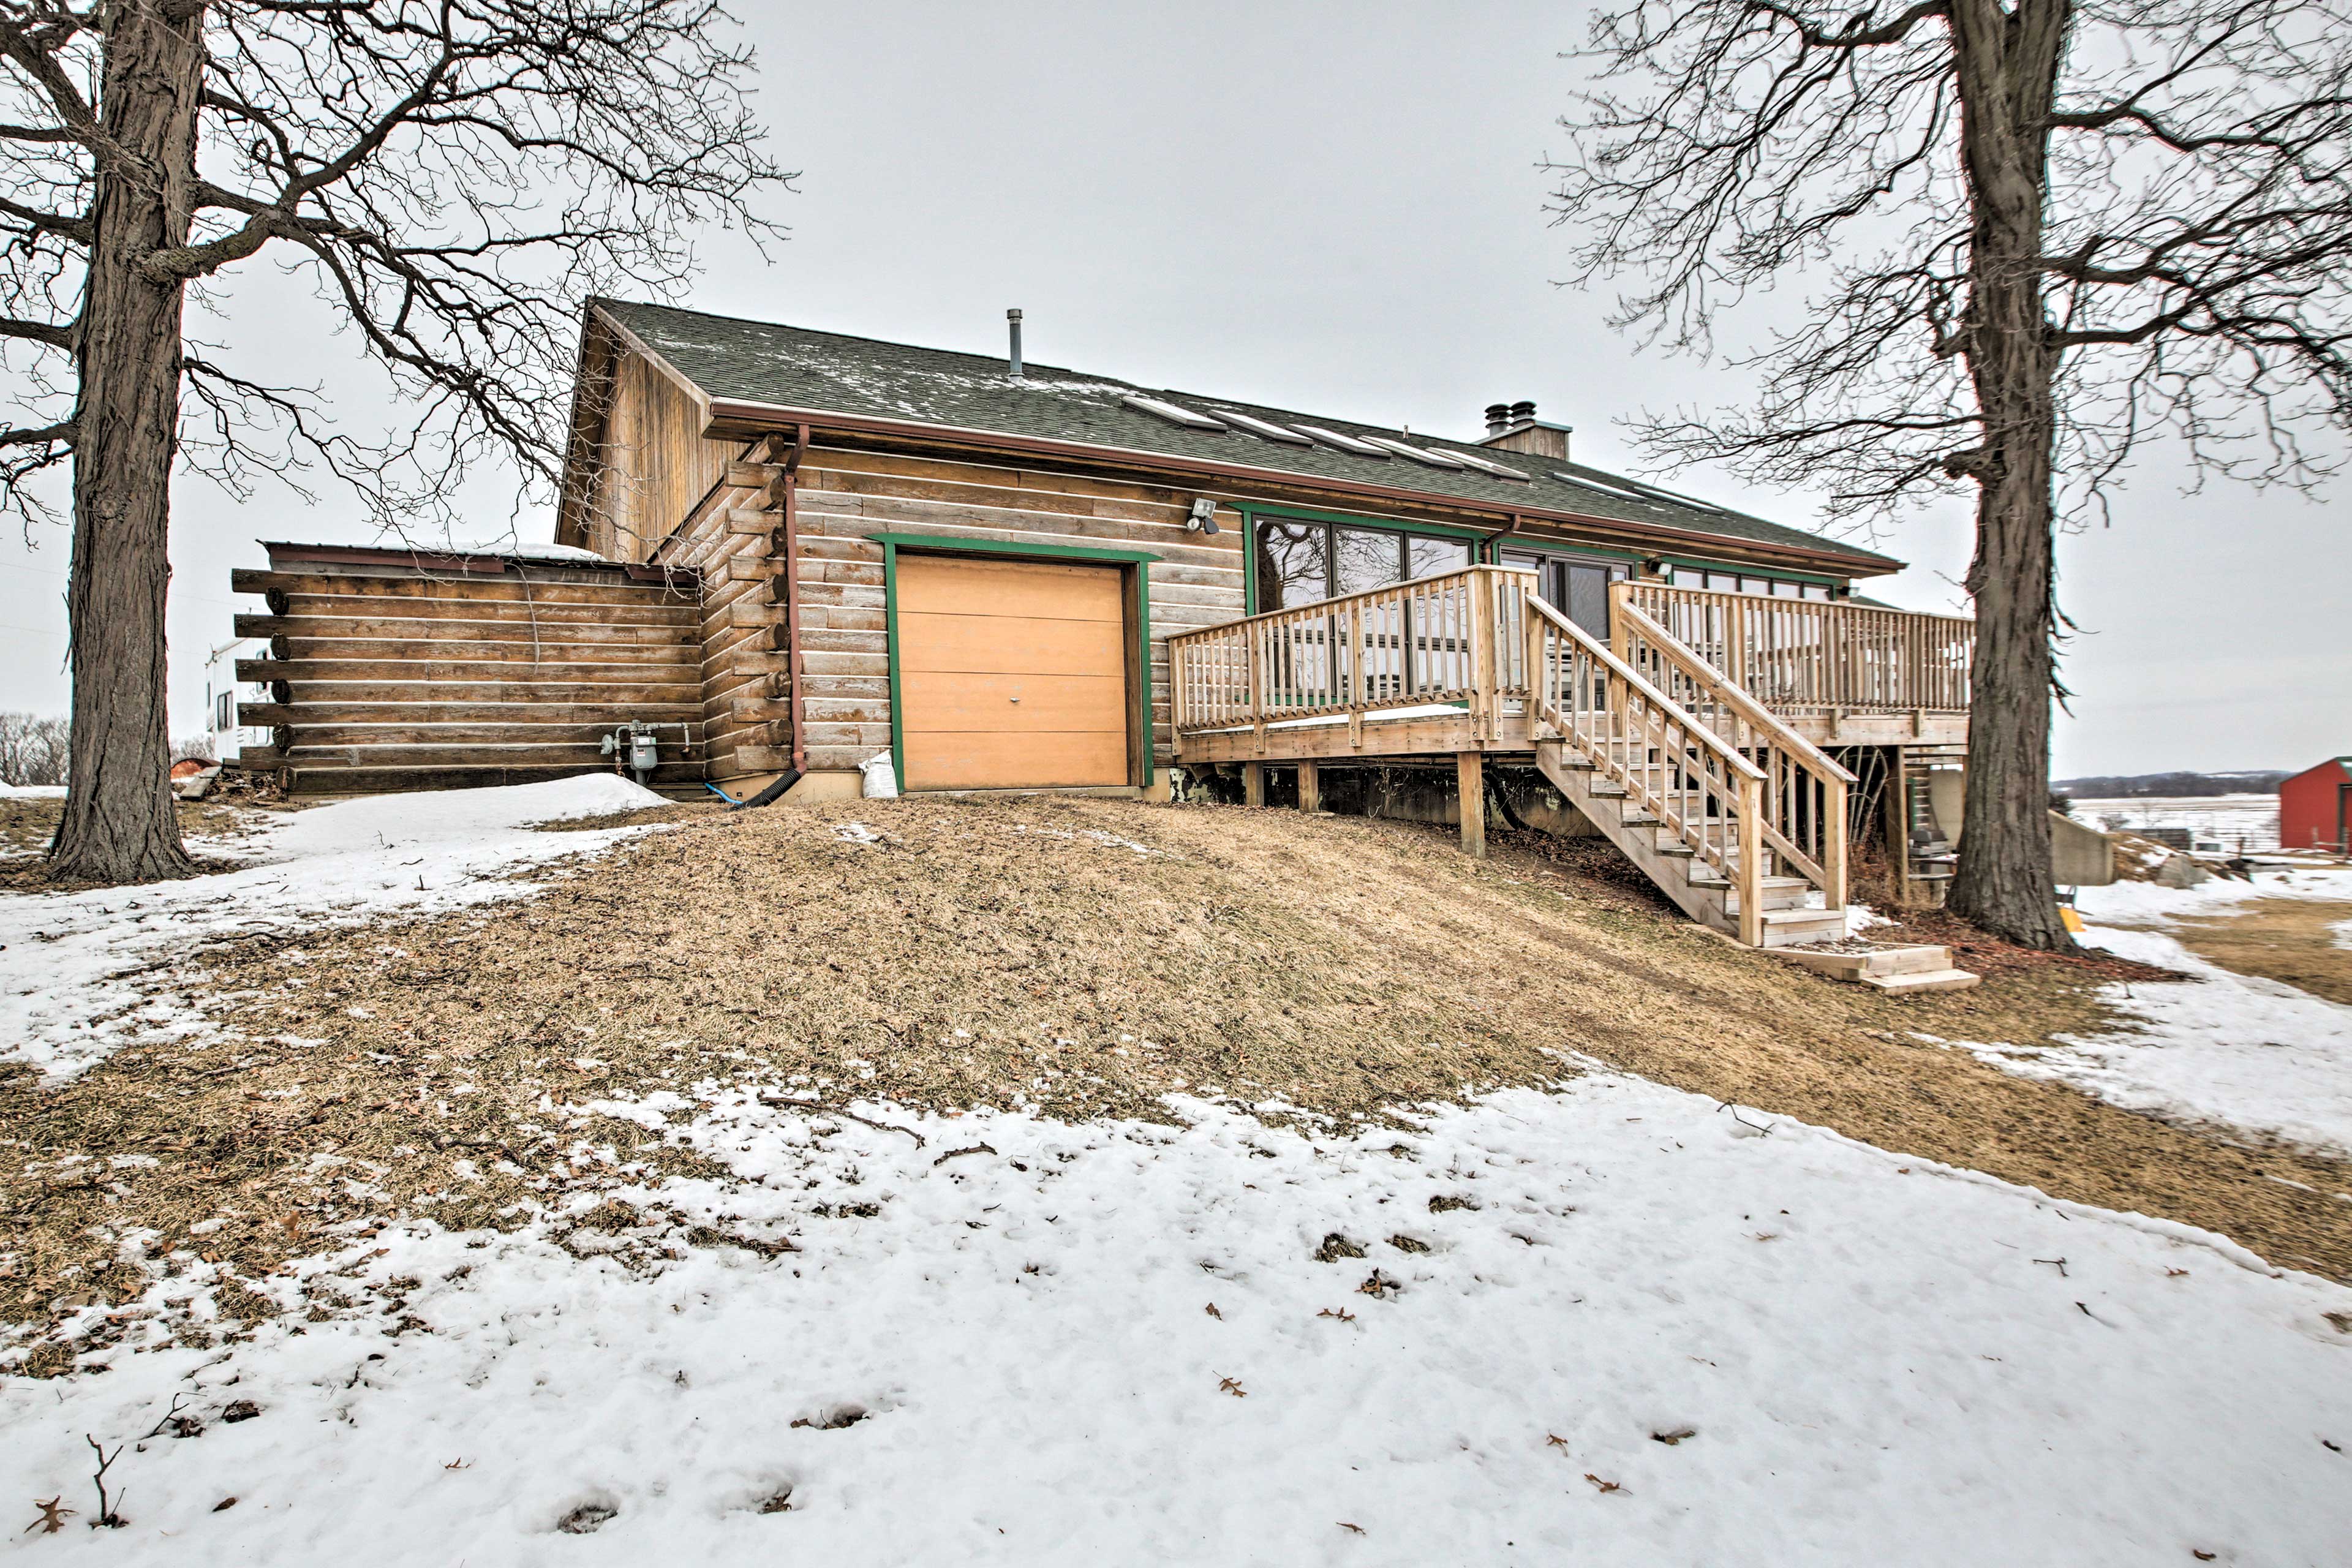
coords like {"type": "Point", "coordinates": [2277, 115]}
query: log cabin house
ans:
{"type": "Point", "coordinates": [799, 550]}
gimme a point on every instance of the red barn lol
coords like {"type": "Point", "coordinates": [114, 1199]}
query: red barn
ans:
{"type": "Point", "coordinates": [2315, 807]}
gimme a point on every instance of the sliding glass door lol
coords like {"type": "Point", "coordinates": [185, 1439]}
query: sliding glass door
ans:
{"type": "Point", "coordinates": [1575, 585]}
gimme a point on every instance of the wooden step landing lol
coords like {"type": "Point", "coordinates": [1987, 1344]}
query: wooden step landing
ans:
{"type": "Point", "coordinates": [1794, 928]}
{"type": "Point", "coordinates": [1896, 971]}
{"type": "Point", "coordinates": [1925, 980]}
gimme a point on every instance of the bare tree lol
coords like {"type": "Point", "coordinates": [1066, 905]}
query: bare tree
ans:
{"type": "Point", "coordinates": [2020, 237]}
{"type": "Point", "coordinates": [451, 178]}
{"type": "Point", "coordinates": [32, 750]}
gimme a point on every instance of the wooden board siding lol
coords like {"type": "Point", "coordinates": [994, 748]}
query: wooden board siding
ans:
{"type": "Point", "coordinates": [652, 463]}
{"type": "Point", "coordinates": [844, 497]}
{"type": "Point", "coordinates": [402, 678]}
{"type": "Point", "coordinates": [1012, 673]}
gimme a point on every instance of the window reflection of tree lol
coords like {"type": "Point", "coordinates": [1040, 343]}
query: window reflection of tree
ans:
{"type": "Point", "coordinates": [1291, 567]}
{"type": "Point", "coordinates": [1301, 563]}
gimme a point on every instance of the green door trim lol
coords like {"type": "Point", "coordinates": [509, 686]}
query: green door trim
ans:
{"type": "Point", "coordinates": [1135, 563]}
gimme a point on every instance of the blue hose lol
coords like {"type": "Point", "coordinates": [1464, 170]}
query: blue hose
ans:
{"type": "Point", "coordinates": [720, 793]}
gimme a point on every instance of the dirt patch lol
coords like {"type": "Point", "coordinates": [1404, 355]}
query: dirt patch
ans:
{"type": "Point", "coordinates": [27, 826]}
{"type": "Point", "coordinates": [1081, 957]}
{"type": "Point", "coordinates": [677, 811]}
{"type": "Point", "coordinates": [2291, 940]}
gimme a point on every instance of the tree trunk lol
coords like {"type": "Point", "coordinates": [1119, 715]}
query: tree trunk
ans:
{"type": "Point", "coordinates": [2007, 62]}
{"type": "Point", "coordinates": [118, 824]}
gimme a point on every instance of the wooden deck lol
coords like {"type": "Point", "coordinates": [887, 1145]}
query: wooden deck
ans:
{"type": "Point", "coordinates": [1366, 676]}
{"type": "Point", "coordinates": [1694, 738]}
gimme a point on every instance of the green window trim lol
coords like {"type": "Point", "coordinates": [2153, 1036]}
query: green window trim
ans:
{"type": "Point", "coordinates": [1743, 569]}
{"type": "Point", "coordinates": [933, 544]}
{"type": "Point", "coordinates": [1252, 512]}
{"type": "Point", "coordinates": [1549, 545]}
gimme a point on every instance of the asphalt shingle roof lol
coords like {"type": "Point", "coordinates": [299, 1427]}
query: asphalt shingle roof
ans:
{"type": "Point", "coordinates": [794, 367]}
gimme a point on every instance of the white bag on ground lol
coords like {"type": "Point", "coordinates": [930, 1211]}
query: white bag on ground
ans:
{"type": "Point", "coordinates": [881, 778]}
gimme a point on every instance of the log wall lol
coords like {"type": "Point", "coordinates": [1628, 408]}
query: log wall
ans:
{"type": "Point", "coordinates": [845, 496]}
{"type": "Point", "coordinates": [390, 677]}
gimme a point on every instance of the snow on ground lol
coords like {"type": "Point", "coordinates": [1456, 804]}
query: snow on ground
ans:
{"type": "Point", "coordinates": [1641, 1331]}
{"type": "Point", "coordinates": [2234, 821]}
{"type": "Point", "coordinates": [2147, 903]}
{"type": "Point", "coordinates": [31, 791]}
{"type": "Point", "coordinates": [2224, 1049]}
{"type": "Point", "coordinates": [77, 970]}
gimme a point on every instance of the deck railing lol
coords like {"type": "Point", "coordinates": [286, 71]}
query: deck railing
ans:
{"type": "Point", "coordinates": [1807, 656]}
{"type": "Point", "coordinates": [1454, 638]}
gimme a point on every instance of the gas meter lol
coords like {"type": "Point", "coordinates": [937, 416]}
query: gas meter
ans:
{"type": "Point", "coordinates": [636, 748]}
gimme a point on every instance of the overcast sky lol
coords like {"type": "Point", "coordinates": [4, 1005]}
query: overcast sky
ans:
{"type": "Point", "coordinates": [1337, 208]}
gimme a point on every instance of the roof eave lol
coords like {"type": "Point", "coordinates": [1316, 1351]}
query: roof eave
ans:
{"type": "Point", "coordinates": [752, 412]}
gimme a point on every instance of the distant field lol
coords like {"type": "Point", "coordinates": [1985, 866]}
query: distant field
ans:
{"type": "Point", "coordinates": [2236, 821]}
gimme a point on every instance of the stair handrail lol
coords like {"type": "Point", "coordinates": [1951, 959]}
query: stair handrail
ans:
{"type": "Point", "coordinates": [1666, 705]}
{"type": "Point", "coordinates": [1827, 869]}
{"type": "Point", "coordinates": [1724, 776]}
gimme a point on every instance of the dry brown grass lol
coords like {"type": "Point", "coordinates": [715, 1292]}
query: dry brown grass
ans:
{"type": "Point", "coordinates": [27, 826]}
{"type": "Point", "coordinates": [2288, 940]}
{"type": "Point", "coordinates": [1003, 952]}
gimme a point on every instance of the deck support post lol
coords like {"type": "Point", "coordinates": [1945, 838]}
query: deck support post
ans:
{"type": "Point", "coordinates": [1470, 778]}
{"type": "Point", "coordinates": [1896, 798]}
{"type": "Point", "coordinates": [1253, 784]}
{"type": "Point", "coordinates": [1310, 788]}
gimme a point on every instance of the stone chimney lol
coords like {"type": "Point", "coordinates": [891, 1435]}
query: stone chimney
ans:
{"type": "Point", "coordinates": [1515, 427]}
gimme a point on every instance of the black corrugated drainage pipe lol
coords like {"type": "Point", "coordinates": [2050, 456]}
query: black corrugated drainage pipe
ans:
{"type": "Point", "coordinates": [770, 796]}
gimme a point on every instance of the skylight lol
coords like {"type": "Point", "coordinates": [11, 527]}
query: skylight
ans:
{"type": "Point", "coordinates": [1338, 443]}
{"type": "Point", "coordinates": [1419, 455]}
{"type": "Point", "coordinates": [1677, 497]}
{"type": "Point", "coordinates": [1173, 414]}
{"type": "Point", "coordinates": [1603, 485]}
{"type": "Point", "coordinates": [1500, 470]}
{"type": "Point", "coordinates": [1267, 429]}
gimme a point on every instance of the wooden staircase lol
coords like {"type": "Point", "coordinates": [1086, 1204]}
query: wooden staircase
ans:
{"type": "Point", "coordinates": [1792, 909]}
{"type": "Point", "coordinates": [1734, 818]}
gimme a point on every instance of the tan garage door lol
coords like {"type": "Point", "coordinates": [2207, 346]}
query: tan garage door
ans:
{"type": "Point", "coordinates": [1011, 674]}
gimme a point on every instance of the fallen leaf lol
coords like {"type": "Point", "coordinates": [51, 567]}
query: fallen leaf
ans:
{"type": "Point", "coordinates": [1351, 1529]}
{"type": "Point", "coordinates": [1344, 1315]}
{"type": "Point", "coordinates": [53, 1518]}
{"type": "Point", "coordinates": [2200, 1556]}
{"type": "Point", "coordinates": [1214, 1313]}
{"type": "Point", "coordinates": [1606, 1486]}
{"type": "Point", "coordinates": [1233, 1386]}
{"type": "Point", "coordinates": [1675, 1436]}
{"type": "Point", "coordinates": [1554, 1440]}
{"type": "Point", "coordinates": [225, 1503]}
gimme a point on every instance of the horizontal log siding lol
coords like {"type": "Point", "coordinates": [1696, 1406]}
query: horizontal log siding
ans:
{"type": "Point", "coordinates": [846, 496]}
{"type": "Point", "coordinates": [706, 544]}
{"type": "Point", "coordinates": [399, 678]}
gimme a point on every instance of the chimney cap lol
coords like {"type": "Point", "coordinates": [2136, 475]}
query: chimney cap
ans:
{"type": "Point", "coordinates": [1013, 314]}
{"type": "Point", "coordinates": [1523, 409]}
